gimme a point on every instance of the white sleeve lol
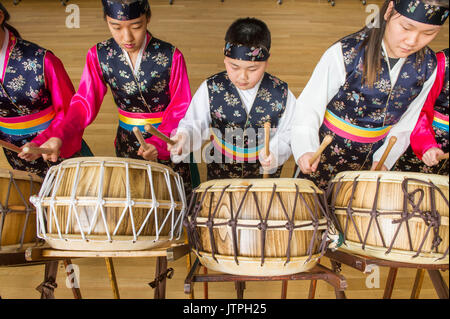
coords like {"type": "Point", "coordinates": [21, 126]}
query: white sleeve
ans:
{"type": "Point", "coordinates": [196, 122]}
{"type": "Point", "coordinates": [280, 142]}
{"type": "Point", "coordinates": [328, 76]}
{"type": "Point", "coordinates": [403, 129]}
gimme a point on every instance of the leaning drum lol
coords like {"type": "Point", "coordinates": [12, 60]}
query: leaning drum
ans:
{"type": "Point", "coordinates": [258, 227]}
{"type": "Point", "coordinates": [395, 216]}
{"type": "Point", "coordinates": [110, 204]}
{"type": "Point", "coordinates": [17, 214]}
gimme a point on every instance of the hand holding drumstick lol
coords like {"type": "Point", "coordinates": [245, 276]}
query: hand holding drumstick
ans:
{"type": "Point", "coordinates": [379, 166]}
{"type": "Point", "coordinates": [31, 151]}
{"type": "Point", "coordinates": [433, 156]}
{"type": "Point", "coordinates": [309, 162]}
{"type": "Point", "coordinates": [147, 151]}
{"type": "Point", "coordinates": [266, 158]}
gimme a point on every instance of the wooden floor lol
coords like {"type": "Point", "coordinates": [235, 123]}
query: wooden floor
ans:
{"type": "Point", "coordinates": [301, 31]}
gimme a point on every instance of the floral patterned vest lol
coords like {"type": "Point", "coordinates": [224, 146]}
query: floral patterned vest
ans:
{"type": "Point", "coordinates": [147, 92]}
{"type": "Point", "coordinates": [23, 91]}
{"type": "Point", "coordinates": [382, 105]}
{"type": "Point", "coordinates": [236, 154]}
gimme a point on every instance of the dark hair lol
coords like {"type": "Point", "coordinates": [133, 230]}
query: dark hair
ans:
{"type": "Point", "coordinates": [148, 13]}
{"type": "Point", "coordinates": [5, 22]}
{"type": "Point", "coordinates": [249, 32]}
{"type": "Point", "coordinates": [372, 44]}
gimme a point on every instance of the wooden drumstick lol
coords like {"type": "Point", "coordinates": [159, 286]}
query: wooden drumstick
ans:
{"type": "Point", "coordinates": [442, 157]}
{"type": "Point", "coordinates": [326, 141]}
{"type": "Point", "coordinates": [10, 146]}
{"type": "Point", "coordinates": [37, 150]}
{"type": "Point", "coordinates": [140, 138]}
{"type": "Point", "coordinates": [149, 128]}
{"type": "Point", "coordinates": [267, 143]}
{"type": "Point", "coordinates": [391, 143]}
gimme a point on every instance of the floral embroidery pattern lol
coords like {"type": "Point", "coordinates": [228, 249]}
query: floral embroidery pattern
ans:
{"type": "Point", "coordinates": [228, 114]}
{"type": "Point", "coordinates": [375, 107]}
{"type": "Point", "coordinates": [32, 65]}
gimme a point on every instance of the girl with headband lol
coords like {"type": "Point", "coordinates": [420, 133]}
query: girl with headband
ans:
{"type": "Point", "coordinates": [367, 87]}
{"type": "Point", "coordinates": [231, 108]}
{"type": "Point", "coordinates": [148, 80]}
{"type": "Point", "coordinates": [430, 137]}
{"type": "Point", "coordinates": [35, 94]}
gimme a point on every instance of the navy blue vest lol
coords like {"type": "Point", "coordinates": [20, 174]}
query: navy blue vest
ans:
{"type": "Point", "coordinates": [383, 104]}
{"type": "Point", "coordinates": [23, 90]}
{"type": "Point", "coordinates": [237, 136]}
{"type": "Point", "coordinates": [148, 91]}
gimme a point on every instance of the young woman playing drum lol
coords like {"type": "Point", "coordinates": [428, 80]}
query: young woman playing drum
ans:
{"type": "Point", "coordinates": [147, 77]}
{"type": "Point", "coordinates": [368, 87]}
{"type": "Point", "coordinates": [35, 93]}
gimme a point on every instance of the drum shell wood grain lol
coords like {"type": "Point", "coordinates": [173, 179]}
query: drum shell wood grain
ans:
{"type": "Point", "coordinates": [249, 239]}
{"type": "Point", "coordinates": [27, 184]}
{"type": "Point", "coordinates": [391, 199]}
{"type": "Point", "coordinates": [83, 184]}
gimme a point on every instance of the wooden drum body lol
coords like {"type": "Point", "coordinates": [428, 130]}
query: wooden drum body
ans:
{"type": "Point", "coordinates": [17, 214]}
{"type": "Point", "coordinates": [258, 227]}
{"type": "Point", "coordinates": [109, 204]}
{"type": "Point", "coordinates": [395, 216]}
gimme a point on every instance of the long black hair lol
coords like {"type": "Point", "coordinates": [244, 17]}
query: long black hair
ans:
{"type": "Point", "coordinates": [6, 24]}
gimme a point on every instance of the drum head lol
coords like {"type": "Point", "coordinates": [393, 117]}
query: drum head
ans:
{"type": "Point", "coordinates": [260, 185]}
{"type": "Point", "coordinates": [111, 161]}
{"type": "Point", "coordinates": [395, 177]}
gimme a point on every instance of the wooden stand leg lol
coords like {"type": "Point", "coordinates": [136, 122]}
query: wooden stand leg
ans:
{"type": "Point", "coordinates": [240, 287]}
{"type": "Point", "coordinates": [284, 287]}
{"type": "Point", "coordinates": [47, 288]}
{"type": "Point", "coordinates": [189, 265]}
{"type": "Point", "coordinates": [439, 284]}
{"type": "Point", "coordinates": [205, 284]}
{"type": "Point", "coordinates": [312, 289]}
{"type": "Point", "coordinates": [112, 277]}
{"type": "Point", "coordinates": [75, 284]}
{"type": "Point", "coordinates": [161, 268]}
{"type": "Point", "coordinates": [336, 266]}
{"type": "Point", "coordinates": [189, 281]}
{"type": "Point", "coordinates": [390, 283]}
{"type": "Point", "coordinates": [415, 293]}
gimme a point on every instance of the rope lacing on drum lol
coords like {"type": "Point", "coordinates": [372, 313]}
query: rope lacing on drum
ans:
{"type": "Point", "coordinates": [350, 210]}
{"type": "Point", "coordinates": [233, 222]}
{"type": "Point", "coordinates": [4, 210]}
{"type": "Point", "coordinates": [197, 208]}
{"type": "Point", "coordinates": [180, 186]}
{"type": "Point", "coordinates": [263, 224]}
{"type": "Point", "coordinates": [374, 214]}
{"type": "Point", "coordinates": [210, 222]}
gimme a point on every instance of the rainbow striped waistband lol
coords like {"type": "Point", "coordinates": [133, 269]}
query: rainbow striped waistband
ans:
{"type": "Point", "coordinates": [353, 132]}
{"type": "Point", "coordinates": [128, 120]}
{"type": "Point", "coordinates": [28, 124]}
{"type": "Point", "coordinates": [234, 152]}
{"type": "Point", "coordinates": [440, 121]}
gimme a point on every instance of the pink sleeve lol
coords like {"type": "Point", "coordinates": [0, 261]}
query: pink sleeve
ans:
{"type": "Point", "coordinates": [57, 81]}
{"type": "Point", "coordinates": [87, 101]}
{"type": "Point", "coordinates": [180, 98]}
{"type": "Point", "coordinates": [423, 136]}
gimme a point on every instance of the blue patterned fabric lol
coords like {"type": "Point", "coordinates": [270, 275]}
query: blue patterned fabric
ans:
{"type": "Point", "coordinates": [229, 113]}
